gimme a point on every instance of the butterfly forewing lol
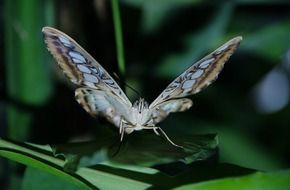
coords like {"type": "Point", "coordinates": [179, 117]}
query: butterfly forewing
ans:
{"type": "Point", "coordinates": [79, 66]}
{"type": "Point", "coordinates": [199, 75]}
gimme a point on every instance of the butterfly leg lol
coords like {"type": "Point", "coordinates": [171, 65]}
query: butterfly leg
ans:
{"type": "Point", "coordinates": [122, 128]}
{"type": "Point", "coordinates": [155, 131]}
{"type": "Point", "coordinates": [167, 138]}
{"type": "Point", "coordinates": [164, 134]}
{"type": "Point", "coordinates": [152, 127]}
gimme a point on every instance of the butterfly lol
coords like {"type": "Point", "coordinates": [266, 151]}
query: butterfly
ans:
{"type": "Point", "coordinates": [99, 94]}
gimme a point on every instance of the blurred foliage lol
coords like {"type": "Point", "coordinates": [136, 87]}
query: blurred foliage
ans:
{"type": "Point", "coordinates": [161, 39]}
{"type": "Point", "coordinates": [28, 81]}
{"type": "Point", "coordinates": [115, 176]}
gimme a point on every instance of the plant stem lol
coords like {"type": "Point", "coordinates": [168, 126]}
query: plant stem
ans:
{"type": "Point", "coordinates": [118, 36]}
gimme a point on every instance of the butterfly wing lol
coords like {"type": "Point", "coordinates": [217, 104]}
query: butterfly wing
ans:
{"type": "Point", "coordinates": [79, 66]}
{"type": "Point", "coordinates": [170, 106]}
{"type": "Point", "coordinates": [197, 77]}
{"type": "Point", "coordinates": [98, 102]}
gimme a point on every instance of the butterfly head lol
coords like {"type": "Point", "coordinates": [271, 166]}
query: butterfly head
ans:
{"type": "Point", "coordinates": [140, 105]}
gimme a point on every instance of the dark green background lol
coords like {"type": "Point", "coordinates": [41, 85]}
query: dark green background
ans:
{"type": "Point", "coordinates": [161, 39]}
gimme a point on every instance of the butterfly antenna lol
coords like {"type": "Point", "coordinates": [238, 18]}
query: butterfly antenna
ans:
{"type": "Point", "coordinates": [125, 84]}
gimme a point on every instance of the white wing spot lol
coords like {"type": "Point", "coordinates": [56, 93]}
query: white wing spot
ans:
{"type": "Point", "coordinates": [223, 47]}
{"type": "Point", "coordinates": [98, 71]}
{"type": "Point", "coordinates": [109, 82]}
{"type": "Point", "coordinates": [197, 74]}
{"type": "Point", "coordinates": [65, 41]}
{"type": "Point", "coordinates": [91, 78]}
{"type": "Point", "coordinates": [94, 70]}
{"type": "Point", "coordinates": [77, 57]}
{"type": "Point", "coordinates": [77, 61]}
{"type": "Point", "coordinates": [89, 84]}
{"type": "Point", "coordinates": [188, 84]}
{"type": "Point", "coordinates": [83, 69]}
{"type": "Point", "coordinates": [101, 71]}
{"type": "Point", "coordinates": [206, 63]}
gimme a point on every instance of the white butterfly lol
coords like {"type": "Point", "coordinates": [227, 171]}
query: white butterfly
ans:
{"type": "Point", "coordinates": [99, 93]}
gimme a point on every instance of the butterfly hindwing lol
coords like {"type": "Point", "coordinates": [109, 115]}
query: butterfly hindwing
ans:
{"type": "Point", "coordinates": [199, 75]}
{"type": "Point", "coordinates": [170, 106]}
{"type": "Point", "coordinates": [79, 66]}
{"type": "Point", "coordinates": [98, 102]}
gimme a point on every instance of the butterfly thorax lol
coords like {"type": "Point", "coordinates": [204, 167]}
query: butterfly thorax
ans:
{"type": "Point", "coordinates": [141, 114]}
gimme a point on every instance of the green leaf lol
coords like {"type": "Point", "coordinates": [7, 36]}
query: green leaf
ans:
{"type": "Point", "coordinates": [84, 178]}
{"type": "Point", "coordinates": [100, 176]}
{"type": "Point", "coordinates": [258, 181]}
{"type": "Point", "coordinates": [131, 177]}
{"type": "Point", "coordinates": [232, 140]}
{"type": "Point", "coordinates": [38, 158]}
{"type": "Point", "coordinates": [141, 149]}
{"type": "Point", "coordinates": [35, 179]}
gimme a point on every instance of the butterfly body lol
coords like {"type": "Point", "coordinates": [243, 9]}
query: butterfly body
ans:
{"type": "Point", "coordinates": [99, 94]}
{"type": "Point", "coordinates": [141, 114]}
